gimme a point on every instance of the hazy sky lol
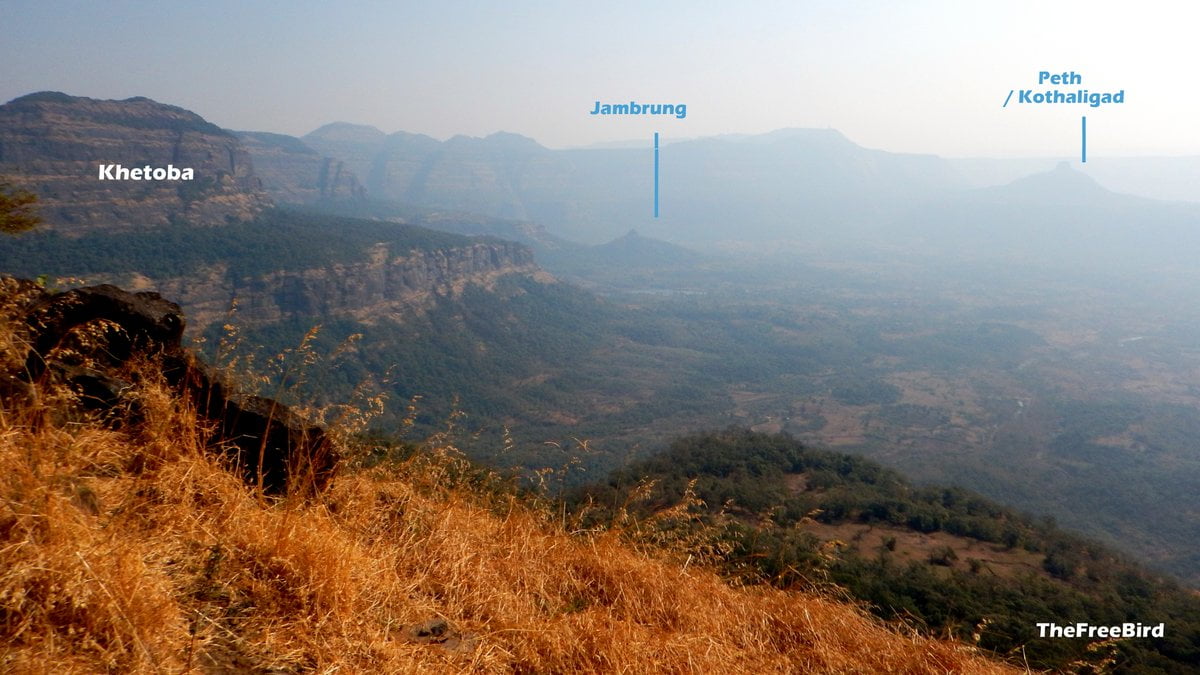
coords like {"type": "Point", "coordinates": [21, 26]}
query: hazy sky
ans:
{"type": "Point", "coordinates": [911, 76]}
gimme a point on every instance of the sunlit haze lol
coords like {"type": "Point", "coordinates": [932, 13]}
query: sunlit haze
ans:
{"type": "Point", "coordinates": [929, 76]}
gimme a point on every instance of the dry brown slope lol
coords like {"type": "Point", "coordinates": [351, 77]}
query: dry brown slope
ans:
{"type": "Point", "coordinates": [132, 551]}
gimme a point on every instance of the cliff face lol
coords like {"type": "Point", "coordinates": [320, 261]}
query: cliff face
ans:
{"type": "Point", "coordinates": [54, 145]}
{"type": "Point", "coordinates": [383, 286]}
{"type": "Point", "coordinates": [293, 173]}
{"type": "Point", "coordinates": [357, 145]}
{"type": "Point", "coordinates": [490, 175]}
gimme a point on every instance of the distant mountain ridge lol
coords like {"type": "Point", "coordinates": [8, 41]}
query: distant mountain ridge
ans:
{"type": "Point", "coordinates": [54, 144]}
{"type": "Point", "coordinates": [1169, 178]}
{"type": "Point", "coordinates": [776, 185]}
{"type": "Point", "coordinates": [277, 263]}
{"type": "Point", "coordinates": [634, 248]}
{"type": "Point", "coordinates": [1060, 218]}
{"type": "Point", "coordinates": [631, 261]}
{"type": "Point", "coordinates": [1062, 184]}
{"type": "Point", "coordinates": [789, 184]}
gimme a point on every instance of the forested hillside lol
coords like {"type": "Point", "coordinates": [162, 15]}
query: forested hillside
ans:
{"type": "Point", "coordinates": [770, 510]}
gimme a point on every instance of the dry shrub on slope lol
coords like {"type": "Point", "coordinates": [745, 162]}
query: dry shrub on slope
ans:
{"type": "Point", "coordinates": [134, 551]}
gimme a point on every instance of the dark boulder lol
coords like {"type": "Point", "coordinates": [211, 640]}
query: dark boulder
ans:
{"type": "Point", "coordinates": [147, 323]}
{"type": "Point", "coordinates": [86, 337]}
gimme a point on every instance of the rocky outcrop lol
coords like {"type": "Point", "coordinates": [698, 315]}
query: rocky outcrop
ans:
{"type": "Point", "coordinates": [385, 285]}
{"type": "Point", "coordinates": [54, 145]}
{"type": "Point", "coordinates": [293, 173]}
{"type": "Point", "coordinates": [87, 337]}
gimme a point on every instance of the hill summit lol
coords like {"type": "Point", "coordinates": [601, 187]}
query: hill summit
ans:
{"type": "Point", "coordinates": [59, 147]}
{"type": "Point", "coordinates": [1060, 185]}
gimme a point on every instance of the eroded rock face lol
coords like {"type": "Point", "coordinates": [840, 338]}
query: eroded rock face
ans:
{"type": "Point", "coordinates": [385, 285]}
{"type": "Point", "coordinates": [263, 438]}
{"type": "Point", "coordinates": [55, 145]}
{"type": "Point", "coordinates": [293, 173]}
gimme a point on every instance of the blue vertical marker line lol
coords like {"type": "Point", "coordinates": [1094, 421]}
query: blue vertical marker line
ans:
{"type": "Point", "coordinates": [1084, 160]}
{"type": "Point", "coordinates": [655, 174]}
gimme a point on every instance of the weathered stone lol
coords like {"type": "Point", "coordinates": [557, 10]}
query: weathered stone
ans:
{"type": "Point", "coordinates": [385, 285]}
{"type": "Point", "coordinates": [148, 322]}
{"type": "Point", "coordinates": [265, 441]}
{"type": "Point", "coordinates": [438, 631]}
{"type": "Point", "coordinates": [54, 145]}
{"type": "Point", "coordinates": [433, 628]}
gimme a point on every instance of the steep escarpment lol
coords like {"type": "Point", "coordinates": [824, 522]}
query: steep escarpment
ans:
{"type": "Point", "coordinates": [155, 235]}
{"type": "Point", "coordinates": [387, 284]}
{"type": "Point", "coordinates": [55, 145]}
{"type": "Point", "coordinates": [293, 173]}
{"type": "Point", "coordinates": [284, 264]}
{"type": "Point", "coordinates": [384, 162]}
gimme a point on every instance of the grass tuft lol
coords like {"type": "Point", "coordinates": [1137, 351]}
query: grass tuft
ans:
{"type": "Point", "coordinates": [133, 550]}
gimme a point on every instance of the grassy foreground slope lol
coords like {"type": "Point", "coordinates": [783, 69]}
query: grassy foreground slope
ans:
{"type": "Point", "coordinates": [133, 550]}
{"type": "Point", "coordinates": [949, 560]}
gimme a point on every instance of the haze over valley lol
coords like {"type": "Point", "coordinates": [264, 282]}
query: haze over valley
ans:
{"type": "Point", "coordinates": [866, 322]}
{"type": "Point", "coordinates": [856, 299]}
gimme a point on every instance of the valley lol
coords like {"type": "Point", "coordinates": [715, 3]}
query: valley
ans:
{"type": "Point", "coordinates": [568, 337]}
{"type": "Point", "coordinates": [933, 342]}
{"type": "Point", "coordinates": [1033, 394]}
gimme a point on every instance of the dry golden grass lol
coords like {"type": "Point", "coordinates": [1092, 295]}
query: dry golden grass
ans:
{"type": "Point", "coordinates": [134, 551]}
